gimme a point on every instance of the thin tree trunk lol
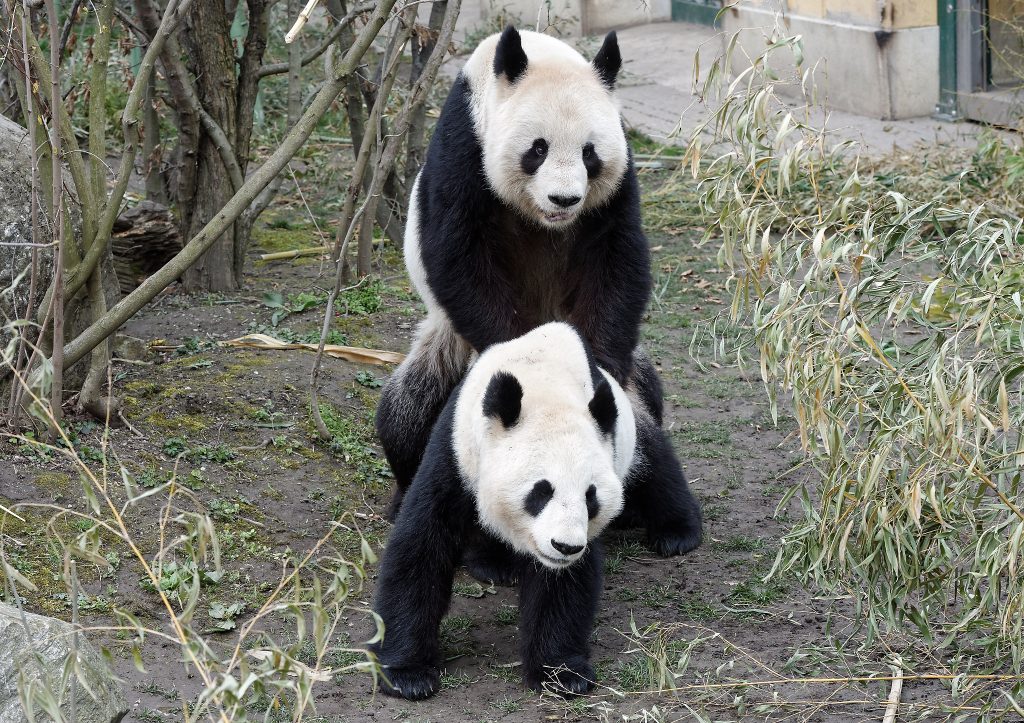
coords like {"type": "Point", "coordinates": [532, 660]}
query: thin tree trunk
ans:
{"type": "Point", "coordinates": [248, 89]}
{"type": "Point", "coordinates": [421, 50]}
{"type": "Point", "coordinates": [208, 236]}
{"type": "Point", "coordinates": [213, 65]}
{"type": "Point", "coordinates": [156, 189]}
{"type": "Point", "coordinates": [183, 166]}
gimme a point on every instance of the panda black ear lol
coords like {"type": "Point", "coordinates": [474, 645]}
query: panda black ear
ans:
{"type": "Point", "coordinates": [510, 58]}
{"type": "Point", "coordinates": [602, 407]}
{"type": "Point", "coordinates": [608, 60]}
{"type": "Point", "coordinates": [503, 398]}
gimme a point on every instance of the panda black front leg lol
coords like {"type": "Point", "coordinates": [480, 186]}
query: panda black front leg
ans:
{"type": "Point", "coordinates": [657, 493]}
{"type": "Point", "coordinates": [557, 609]}
{"type": "Point", "coordinates": [415, 584]}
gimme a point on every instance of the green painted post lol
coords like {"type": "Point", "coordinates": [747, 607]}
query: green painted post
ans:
{"type": "Point", "coordinates": [947, 106]}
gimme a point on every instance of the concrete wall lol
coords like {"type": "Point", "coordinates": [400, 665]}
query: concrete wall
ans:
{"type": "Point", "coordinates": [581, 17]}
{"type": "Point", "coordinates": [878, 58]}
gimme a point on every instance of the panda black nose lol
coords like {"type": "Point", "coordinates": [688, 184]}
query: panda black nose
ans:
{"type": "Point", "coordinates": [566, 549]}
{"type": "Point", "coordinates": [564, 201]}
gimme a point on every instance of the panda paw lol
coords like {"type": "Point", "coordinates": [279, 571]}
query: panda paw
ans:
{"type": "Point", "coordinates": [412, 683]}
{"type": "Point", "coordinates": [569, 679]}
{"type": "Point", "coordinates": [674, 542]}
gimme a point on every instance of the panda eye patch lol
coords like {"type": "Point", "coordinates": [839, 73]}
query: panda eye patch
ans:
{"type": "Point", "coordinates": [593, 506]}
{"type": "Point", "coordinates": [591, 160]}
{"type": "Point", "coordinates": [534, 157]}
{"type": "Point", "coordinates": [538, 498]}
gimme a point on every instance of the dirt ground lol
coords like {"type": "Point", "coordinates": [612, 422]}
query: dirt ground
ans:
{"type": "Point", "coordinates": [271, 485]}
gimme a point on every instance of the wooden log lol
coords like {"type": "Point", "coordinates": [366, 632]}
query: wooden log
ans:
{"type": "Point", "coordinates": [144, 238]}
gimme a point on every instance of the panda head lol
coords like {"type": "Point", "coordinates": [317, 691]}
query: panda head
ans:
{"type": "Point", "coordinates": [548, 482]}
{"type": "Point", "coordinates": [552, 137]}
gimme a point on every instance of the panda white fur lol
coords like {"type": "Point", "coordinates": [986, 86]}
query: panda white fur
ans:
{"type": "Point", "coordinates": [533, 450]}
{"type": "Point", "coordinates": [527, 211]}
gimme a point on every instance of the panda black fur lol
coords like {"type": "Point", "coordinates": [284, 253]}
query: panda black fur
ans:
{"type": "Point", "coordinates": [506, 233]}
{"type": "Point", "coordinates": [533, 450]}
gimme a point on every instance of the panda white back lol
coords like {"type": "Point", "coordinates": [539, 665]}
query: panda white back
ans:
{"type": "Point", "coordinates": [546, 469]}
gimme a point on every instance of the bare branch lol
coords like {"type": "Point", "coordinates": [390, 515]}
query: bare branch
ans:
{"type": "Point", "coordinates": [130, 127]}
{"type": "Point", "coordinates": [202, 241]}
{"type": "Point", "coordinates": [328, 41]}
{"type": "Point", "coordinates": [56, 217]}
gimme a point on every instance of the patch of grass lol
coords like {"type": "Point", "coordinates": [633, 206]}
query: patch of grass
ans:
{"type": "Point", "coordinates": [508, 704]}
{"type": "Point", "coordinates": [190, 423]}
{"type": "Point", "coordinates": [472, 589]}
{"type": "Point", "coordinates": [154, 688]}
{"type": "Point", "coordinates": [52, 481]}
{"type": "Point", "coordinates": [363, 300]}
{"type": "Point", "coordinates": [705, 440]}
{"type": "Point", "coordinates": [754, 592]}
{"type": "Point", "coordinates": [694, 607]}
{"type": "Point", "coordinates": [656, 597]}
{"type": "Point", "coordinates": [507, 615]}
{"type": "Point", "coordinates": [451, 681]}
{"type": "Point", "coordinates": [714, 512]}
{"type": "Point", "coordinates": [174, 446]}
{"type": "Point", "coordinates": [633, 673]}
{"type": "Point", "coordinates": [352, 439]}
{"type": "Point", "coordinates": [247, 543]}
{"type": "Point", "coordinates": [455, 637]}
{"type": "Point", "coordinates": [284, 238]}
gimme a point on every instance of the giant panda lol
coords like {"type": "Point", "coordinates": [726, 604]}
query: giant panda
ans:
{"type": "Point", "coordinates": [533, 450]}
{"type": "Point", "coordinates": [526, 211]}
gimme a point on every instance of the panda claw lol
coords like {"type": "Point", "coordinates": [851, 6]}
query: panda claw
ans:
{"type": "Point", "coordinates": [413, 683]}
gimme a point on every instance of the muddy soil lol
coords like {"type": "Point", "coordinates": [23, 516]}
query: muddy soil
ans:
{"type": "Point", "coordinates": [240, 419]}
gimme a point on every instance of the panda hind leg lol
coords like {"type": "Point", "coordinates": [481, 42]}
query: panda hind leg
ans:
{"type": "Point", "coordinates": [658, 494]}
{"type": "Point", "coordinates": [413, 397]}
{"type": "Point", "coordinates": [557, 609]}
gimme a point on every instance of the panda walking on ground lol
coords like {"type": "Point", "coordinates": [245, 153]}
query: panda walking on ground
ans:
{"type": "Point", "coordinates": [533, 450]}
{"type": "Point", "coordinates": [527, 210]}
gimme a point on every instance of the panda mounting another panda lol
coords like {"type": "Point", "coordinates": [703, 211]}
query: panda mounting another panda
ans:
{"type": "Point", "coordinates": [527, 211]}
{"type": "Point", "coordinates": [533, 451]}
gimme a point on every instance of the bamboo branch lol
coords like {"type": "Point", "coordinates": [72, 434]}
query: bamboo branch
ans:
{"type": "Point", "coordinates": [202, 241]}
{"type": "Point", "coordinates": [893, 704]}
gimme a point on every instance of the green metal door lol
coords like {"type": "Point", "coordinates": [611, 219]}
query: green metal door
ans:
{"type": "Point", "coordinates": [702, 12]}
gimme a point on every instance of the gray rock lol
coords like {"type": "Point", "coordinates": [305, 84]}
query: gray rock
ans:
{"type": "Point", "coordinates": [16, 228]}
{"type": "Point", "coordinates": [16, 222]}
{"type": "Point", "coordinates": [39, 658]}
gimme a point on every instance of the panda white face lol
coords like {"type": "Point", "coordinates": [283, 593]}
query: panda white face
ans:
{"type": "Point", "coordinates": [548, 483]}
{"type": "Point", "coordinates": [551, 133]}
